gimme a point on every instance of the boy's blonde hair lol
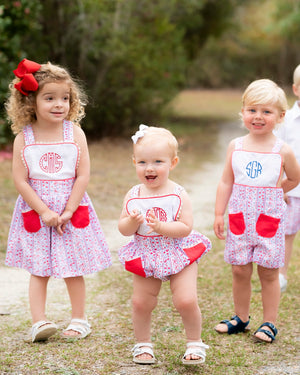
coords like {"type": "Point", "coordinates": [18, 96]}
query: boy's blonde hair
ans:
{"type": "Point", "coordinates": [296, 76]}
{"type": "Point", "coordinates": [153, 134]}
{"type": "Point", "coordinates": [265, 92]}
{"type": "Point", "coordinates": [21, 109]}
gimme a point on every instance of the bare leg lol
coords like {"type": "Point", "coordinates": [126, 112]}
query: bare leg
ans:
{"type": "Point", "coordinates": [289, 240]}
{"type": "Point", "coordinates": [270, 293]}
{"type": "Point", "coordinates": [241, 288]}
{"type": "Point", "coordinates": [37, 297]}
{"type": "Point", "coordinates": [144, 300]}
{"type": "Point", "coordinates": [184, 290]}
{"type": "Point", "coordinates": [76, 290]}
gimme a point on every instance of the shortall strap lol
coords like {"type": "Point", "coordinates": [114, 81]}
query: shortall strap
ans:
{"type": "Point", "coordinates": [134, 191]}
{"type": "Point", "coordinates": [278, 144]}
{"type": "Point", "coordinates": [239, 143]}
{"type": "Point", "coordinates": [28, 135]}
{"type": "Point", "coordinates": [276, 148]}
{"type": "Point", "coordinates": [68, 131]}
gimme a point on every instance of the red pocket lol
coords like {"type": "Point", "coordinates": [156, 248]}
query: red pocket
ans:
{"type": "Point", "coordinates": [195, 252]}
{"type": "Point", "coordinates": [267, 226]}
{"type": "Point", "coordinates": [81, 218]}
{"type": "Point", "coordinates": [135, 266]}
{"type": "Point", "coordinates": [31, 221]}
{"type": "Point", "coordinates": [237, 223]}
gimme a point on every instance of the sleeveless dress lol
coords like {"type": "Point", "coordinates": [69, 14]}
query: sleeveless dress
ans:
{"type": "Point", "coordinates": [39, 249]}
{"type": "Point", "coordinates": [156, 255]}
{"type": "Point", "coordinates": [256, 209]}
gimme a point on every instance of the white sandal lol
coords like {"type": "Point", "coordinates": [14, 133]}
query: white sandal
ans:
{"type": "Point", "coordinates": [195, 348]}
{"type": "Point", "coordinates": [78, 325]}
{"type": "Point", "coordinates": [42, 330]}
{"type": "Point", "coordinates": [143, 348]}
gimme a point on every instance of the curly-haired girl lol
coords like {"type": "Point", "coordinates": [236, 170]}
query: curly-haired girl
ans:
{"type": "Point", "coordinates": [55, 230]}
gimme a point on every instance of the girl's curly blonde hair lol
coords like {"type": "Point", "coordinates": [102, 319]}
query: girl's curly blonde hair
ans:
{"type": "Point", "coordinates": [21, 109]}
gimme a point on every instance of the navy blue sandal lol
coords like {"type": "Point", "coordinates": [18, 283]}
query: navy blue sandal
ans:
{"type": "Point", "coordinates": [239, 327]}
{"type": "Point", "coordinates": [266, 332]}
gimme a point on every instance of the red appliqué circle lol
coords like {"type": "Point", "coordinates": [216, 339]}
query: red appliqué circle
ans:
{"type": "Point", "coordinates": [159, 213]}
{"type": "Point", "coordinates": [51, 162]}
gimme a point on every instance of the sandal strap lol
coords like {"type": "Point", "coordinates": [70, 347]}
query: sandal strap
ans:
{"type": "Point", "coordinates": [83, 322]}
{"type": "Point", "coordinates": [271, 326]}
{"type": "Point", "coordinates": [196, 348]}
{"type": "Point", "coordinates": [239, 327]}
{"type": "Point", "coordinates": [266, 332]}
{"type": "Point", "coordinates": [142, 348]}
{"type": "Point", "coordinates": [199, 344]}
{"type": "Point", "coordinates": [79, 325]}
{"type": "Point", "coordinates": [39, 324]}
{"type": "Point", "coordinates": [50, 326]}
{"type": "Point", "coordinates": [140, 344]}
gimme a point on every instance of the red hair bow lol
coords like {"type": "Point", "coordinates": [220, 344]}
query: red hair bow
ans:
{"type": "Point", "coordinates": [24, 71]}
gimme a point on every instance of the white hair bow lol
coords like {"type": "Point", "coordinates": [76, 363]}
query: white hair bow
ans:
{"type": "Point", "coordinates": [140, 133]}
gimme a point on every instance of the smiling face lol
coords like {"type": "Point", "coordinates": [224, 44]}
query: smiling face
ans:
{"type": "Point", "coordinates": [264, 106]}
{"type": "Point", "coordinates": [261, 119]}
{"type": "Point", "coordinates": [53, 102]}
{"type": "Point", "coordinates": [153, 161]}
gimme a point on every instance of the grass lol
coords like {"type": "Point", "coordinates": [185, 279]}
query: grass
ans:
{"type": "Point", "coordinates": [107, 350]}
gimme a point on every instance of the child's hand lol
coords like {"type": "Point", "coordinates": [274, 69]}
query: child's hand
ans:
{"type": "Point", "coordinates": [286, 199]}
{"type": "Point", "coordinates": [137, 217]}
{"type": "Point", "coordinates": [62, 221]}
{"type": "Point", "coordinates": [153, 222]}
{"type": "Point", "coordinates": [219, 227]}
{"type": "Point", "coordinates": [50, 218]}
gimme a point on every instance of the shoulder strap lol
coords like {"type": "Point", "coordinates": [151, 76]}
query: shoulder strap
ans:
{"type": "Point", "coordinates": [28, 135]}
{"type": "Point", "coordinates": [239, 143]}
{"type": "Point", "coordinates": [134, 191]}
{"type": "Point", "coordinates": [68, 130]}
{"type": "Point", "coordinates": [278, 144]}
{"type": "Point", "coordinates": [178, 189]}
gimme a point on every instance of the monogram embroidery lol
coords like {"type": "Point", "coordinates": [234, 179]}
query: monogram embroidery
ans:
{"type": "Point", "coordinates": [159, 213]}
{"type": "Point", "coordinates": [51, 162]}
{"type": "Point", "coordinates": [253, 169]}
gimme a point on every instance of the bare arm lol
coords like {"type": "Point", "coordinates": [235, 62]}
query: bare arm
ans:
{"type": "Point", "coordinates": [291, 169]}
{"type": "Point", "coordinates": [223, 194]}
{"type": "Point", "coordinates": [20, 176]}
{"type": "Point", "coordinates": [81, 181]}
{"type": "Point", "coordinates": [129, 223]}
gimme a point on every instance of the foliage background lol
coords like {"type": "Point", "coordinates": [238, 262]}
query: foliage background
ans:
{"type": "Point", "coordinates": [134, 56]}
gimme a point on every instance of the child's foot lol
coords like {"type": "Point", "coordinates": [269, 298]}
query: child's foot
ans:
{"type": "Point", "coordinates": [265, 333]}
{"type": "Point", "coordinates": [41, 331]}
{"type": "Point", "coordinates": [235, 325]}
{"type": "Point", "coordinates": [78, 329]}
{"type": "Point", "coordinates": [143, 353]}
{"type": "Point", "coordinates": [191, 357]}
{"type": "Point", "coordinates": [195, 353]}
{"type": "Point", "coordinates": [144, 356]}
{"type": "Point", "coordinates": [223, 327]}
